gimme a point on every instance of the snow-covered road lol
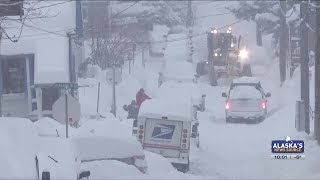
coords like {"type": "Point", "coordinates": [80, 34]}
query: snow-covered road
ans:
{"type": "Point", "coordinates": [239, 151]}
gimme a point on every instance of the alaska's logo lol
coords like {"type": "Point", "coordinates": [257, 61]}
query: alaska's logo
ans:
{"type": "Point", "coordinates": [287, 146]}
{"type": "Point", "coordinates": [163, 131]}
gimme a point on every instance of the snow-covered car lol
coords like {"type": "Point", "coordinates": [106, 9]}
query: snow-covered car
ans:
{"type": "Point", "coordinates": [177, 71]}
{"type": "Point", "coordinates": [18, 149]}
{"type": "Point", "coordinates": [246, 99]}
{"type": "Point", "coordinates": [105, 140]}
{"type": "Point", "coordinates": [164, 127]}
{"type": "Point", "coordinates": [21, 155]}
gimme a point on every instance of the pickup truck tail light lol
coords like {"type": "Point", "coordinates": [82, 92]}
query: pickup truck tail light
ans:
{"type": "Point", "coordinates": [227, 106]}
{"type": "Point", "coordinates": [264, 104]}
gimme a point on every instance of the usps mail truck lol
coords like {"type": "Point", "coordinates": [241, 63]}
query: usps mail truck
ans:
{"type": "Point", "coordinates": [165, 128]}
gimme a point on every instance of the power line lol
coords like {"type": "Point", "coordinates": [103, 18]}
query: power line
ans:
{"type": "Point", "coordinates": [159, 42]}
{"type": "Point", "coordinates": [125, 9]}
{"type": "Point", "coordinates": [211, 15]}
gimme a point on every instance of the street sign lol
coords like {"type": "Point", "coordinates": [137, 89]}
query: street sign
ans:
{"type": "Point", "coordinates": [11, 8]}
{"type": "Point", "coordinates": [66, 85]}
{"type": "Point", "coordinates": [59, 110]}
{"type": "Point", "coordinates": [118, 76]}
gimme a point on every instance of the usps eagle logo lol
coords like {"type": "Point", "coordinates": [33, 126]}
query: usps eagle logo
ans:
{"type": "Point", "coordinates": [163, 131]}
{"type": "Point", "coordinates": [287, 146]}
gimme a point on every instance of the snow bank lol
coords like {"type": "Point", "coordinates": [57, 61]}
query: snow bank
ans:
{"type": "Point", "coordinates": [50, 127]}
{"type": "Point", "coordinates": [161, 168]}
{"type": "Point", "coordinates": [111, 169]}
{"type": "Point", "coordinates": [156, 108]}
{"type": "Point", "coordinates": [47, 127]}
{"type": "Point", "coordinates": [18, 149]}
{"type": "Point", "coordinates": [64, 164]}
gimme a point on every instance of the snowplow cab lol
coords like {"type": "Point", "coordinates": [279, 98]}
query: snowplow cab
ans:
{"type": "Point", "coordinates": [220, 44]}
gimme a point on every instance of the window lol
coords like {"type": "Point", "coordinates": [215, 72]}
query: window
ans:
{"type": "Point", "coordinates": [14, 75]}
{"type": "Point", "coordinates": [49, 96]}
{"type": "Point", "coordinates": [245, 92]}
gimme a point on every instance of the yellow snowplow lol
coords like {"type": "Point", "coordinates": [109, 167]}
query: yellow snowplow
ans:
{"type": "Point", "coordinates": [225, 58]}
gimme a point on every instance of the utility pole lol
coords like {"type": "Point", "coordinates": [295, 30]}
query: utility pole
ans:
{"type": "Point", "coordinates": [317, 76]}
{"type": "Point", "coordinates": [1, 78]}
{"type": "Point", "coordinates": [133, 52]}
{"type": "Point", "coordinates": [258, 34]}
{"type": "Point", "coordinates": [189, 27]}
{"type": "Point", "coordinates": [114, 106]}
{"type": "Point", "coordinates": [129, 58]}
{"type": "Point", "coordinates": [71, 63]}
{"type": "Point", "coordinates": [304, 62]}
{"type": "Point", "coordinates": [109, 30]}
{"type": "Point", "coordinates": [143, 60]}
{"type": "Point", "coordinates": [283, 41]}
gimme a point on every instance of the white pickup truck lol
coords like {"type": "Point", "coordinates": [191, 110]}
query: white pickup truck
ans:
{"type": "Point", "coordinates": [165, 128]}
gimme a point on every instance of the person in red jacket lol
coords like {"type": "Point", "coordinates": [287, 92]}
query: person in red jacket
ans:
{"type": "Point", "coordinates": [141, 97]}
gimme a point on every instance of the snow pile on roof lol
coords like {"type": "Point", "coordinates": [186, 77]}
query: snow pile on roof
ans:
{"type": "Point", "coordinates": [18, 148]}
{"type": "Point", "coordinates": [156, 108]}
{"type": "Point", "coordinates": [108, 147]}
{"type": "Point", "coordinates": [178, 70]}
{"type": "Point", "coordinates": [51, 62]}
{"type": "Point", "coordinates": [246, 79]}
{"type": "Point", "coordinates": [266, 17]}
{"type": "Point", "coordinates": [245, 92]}
{"type": "Point", "coordinates": [180, 92]}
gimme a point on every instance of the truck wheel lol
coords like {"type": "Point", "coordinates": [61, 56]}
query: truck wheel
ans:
{"type": "Point", "coordinates": [213, 78]}
{"type": "Point", "coordinates": [228, 120]}
{"type": "Point", "coordinates": [187, 167]}
{"type": "Point", "coordinates": [201, 68]}
{"type": "Point", "coordinates": [198, 141]}
{"type": "Point", "coordinates": [246, 70]}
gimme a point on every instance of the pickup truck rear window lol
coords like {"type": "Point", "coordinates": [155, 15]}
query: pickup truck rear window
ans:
{"type": "Point", "coordinates": [245, 92]}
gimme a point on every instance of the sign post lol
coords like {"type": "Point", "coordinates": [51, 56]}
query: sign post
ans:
{"type": "Point", "coordinates": [66, 109]}
{"type": "Point", "coordinates": [67, 118]}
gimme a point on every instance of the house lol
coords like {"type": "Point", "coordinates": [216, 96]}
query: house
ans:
{"type": "Point", "coordinates": [30, 67]}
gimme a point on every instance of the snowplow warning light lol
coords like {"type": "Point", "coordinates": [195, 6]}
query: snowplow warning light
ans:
{"type": "Point", "coordinates": [214, 31]}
